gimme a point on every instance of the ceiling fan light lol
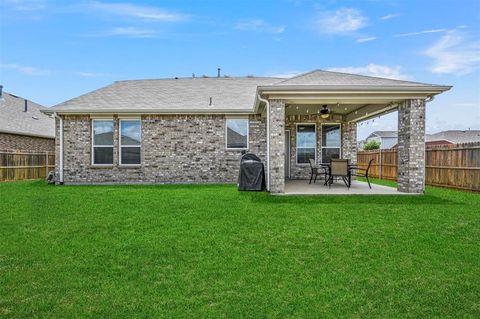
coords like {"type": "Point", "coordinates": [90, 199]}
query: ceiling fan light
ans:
{"type": "Point", "coordinates": [324, 113]}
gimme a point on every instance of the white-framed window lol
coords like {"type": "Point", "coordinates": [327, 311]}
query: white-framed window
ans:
{"type": "Point", "coordinates": [331, 142]}
{"type": "Point", "coordinates": [306, 143]}
{"type": "Point", "coordinates": [236, 135]}
{"type": "Point", "coordinates": [130, 142]}
{"type": "Point", "coordinates": [102, 142]}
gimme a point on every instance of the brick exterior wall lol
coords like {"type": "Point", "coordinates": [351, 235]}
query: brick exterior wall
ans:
{"type": "Point", "coordinates": [23, 143]}
{"type": "Point", "coordinates": [175, 149]}
{"type": "Point", "coordinates": [277, 146]}
{"type": "Point", "coordinates": [348, 136]}
{"type": "Point", "coordinates": [411, 146]}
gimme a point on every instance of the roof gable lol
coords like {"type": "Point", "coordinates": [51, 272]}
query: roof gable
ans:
{"type": "Point", "coordinates": [321, 77]}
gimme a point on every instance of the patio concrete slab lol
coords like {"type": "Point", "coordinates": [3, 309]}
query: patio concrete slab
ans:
{"type": "Point", "coordinates": [301, 187]}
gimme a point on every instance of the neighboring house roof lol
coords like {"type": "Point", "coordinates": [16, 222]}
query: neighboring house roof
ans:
{"type": "Point", "coordinates": [14, 120]}
{"type": "Point", "coordinates": [455, 136]}
{"type": "Point", "coordinates": [227, 94]}
{"type": "Point", "coordinates": [383, 134]}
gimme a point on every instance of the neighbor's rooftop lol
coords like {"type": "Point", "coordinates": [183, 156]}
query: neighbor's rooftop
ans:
{"type": "Point", "coordinates": [14, 119]}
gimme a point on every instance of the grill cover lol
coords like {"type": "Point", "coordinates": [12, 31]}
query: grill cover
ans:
{"type": "Point", "coordinates": [252, 174]}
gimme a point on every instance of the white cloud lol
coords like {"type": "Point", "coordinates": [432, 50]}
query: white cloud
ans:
{"type": "Point", "coordinates": [130, 32]}
{"type": "Point", "coordinates": [138, 11]}
{"type": "Point", "coordinates": [452, 54]}
{"type": "Point", "coordinates": [372, 69]}
{"type": "Point", "coordinates": [286, 75]}
{"type": "Point", "coordinates": [29, 70]}
{"type": "Point", "coordinates": [92, 74]}
{"type": "Point", "coordinates": [341, 21]}
{"type": "Point", "coordinates": [258, 25]}
{"type": "Point", "coordinates": [362, 40]}
{"type": "Point", "coordinates": [25, 5]}
{"type": "Point", "coordinates": [420, 32]}
{"type": "Point", "coordinates": [390, 16]}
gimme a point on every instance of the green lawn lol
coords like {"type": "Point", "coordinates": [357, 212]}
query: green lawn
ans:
{"type": "Point", "coordinates": [210, 251]}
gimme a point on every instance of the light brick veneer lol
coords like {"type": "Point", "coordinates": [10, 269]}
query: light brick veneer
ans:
{"type": "Point", "coordinates": [277, 146]}
{"type": "Point", "coordinates": [175, 149]}
{"type": "Point", "coordinates": [23, 143]}
{"type": "Point", "coordinates": [411, 146]}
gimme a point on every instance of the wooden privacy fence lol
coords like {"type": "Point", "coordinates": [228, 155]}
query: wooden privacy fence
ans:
{"type": "Point", "coordinates": [454, 166]}
{"type": "Point", "coordinates": [15, 166]}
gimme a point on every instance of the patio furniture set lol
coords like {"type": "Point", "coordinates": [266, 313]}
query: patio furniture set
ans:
{"type": "Point", "coordinates": [338, 169]}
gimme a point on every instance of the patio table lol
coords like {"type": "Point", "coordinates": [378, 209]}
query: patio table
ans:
{"type": "Point", "coordinates": [350, 168]}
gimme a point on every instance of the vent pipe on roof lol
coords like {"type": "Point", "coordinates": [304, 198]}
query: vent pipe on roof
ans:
{"type": "Point", "coordinates": [218, 72]}
{"type": "Point", "coordinates": [211, 102]}
{"type": "Point", "coordinates": [26, 106]}
{"type": "Point", "coordinates": [1, 91]}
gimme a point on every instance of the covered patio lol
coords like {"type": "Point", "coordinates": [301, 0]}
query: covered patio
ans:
{"type": "Point", "coordinates": [314, 117]}
{"type": "Point", "coordinates": [302, 187]}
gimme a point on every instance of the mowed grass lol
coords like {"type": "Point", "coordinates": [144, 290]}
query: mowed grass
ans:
{"type": "Point", "coordinates": [210, 251]}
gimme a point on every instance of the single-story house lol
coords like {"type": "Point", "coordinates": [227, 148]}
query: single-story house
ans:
{"type": "Point", "coordinates": [23, 128]}
{"type": "Point", "coordinates": [193, 130]}
{"type": "Point", "coordinates": [453, 137]}
{"type": "Point", "coordinates": [387, 139]}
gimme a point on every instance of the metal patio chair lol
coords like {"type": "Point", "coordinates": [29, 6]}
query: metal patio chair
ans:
{"type": "Point", "coordinates": [363, 172]}
{"type": "Point", "coordinates": [339, 168]}
{"type": "Point", "coordinates": [316, 170]}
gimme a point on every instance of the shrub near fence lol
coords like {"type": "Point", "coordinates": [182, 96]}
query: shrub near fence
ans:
{"type": "Point", "coordinates": [23, 165]}
{"type": "Point", "coordinates": [454, 166]}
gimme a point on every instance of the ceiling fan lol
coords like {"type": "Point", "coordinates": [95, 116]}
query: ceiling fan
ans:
{"type": "Point", "coordinates": [324, 112]}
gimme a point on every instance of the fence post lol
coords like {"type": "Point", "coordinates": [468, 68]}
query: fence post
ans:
{"type": "Point", "coordinates": [46, 163]}
{"type": "Point", "coordinates": [380, 168]}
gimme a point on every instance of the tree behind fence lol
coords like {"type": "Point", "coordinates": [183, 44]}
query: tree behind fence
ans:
{"type": "Point", "coordinates": [15, 166]}
{"type": "Point", "coordinates": [455, 166]}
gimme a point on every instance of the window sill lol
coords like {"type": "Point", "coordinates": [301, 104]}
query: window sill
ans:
{"type": "Point", "coordinates": [101, 166]}
{"type": "Point", "coordinates": [130, 166]}
{"type": "Point", "coordinates": [236, 149]}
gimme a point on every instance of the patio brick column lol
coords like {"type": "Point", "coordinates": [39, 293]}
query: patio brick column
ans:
{"type": "Point", "coordinates": [411, 146]}
{"type": "Point", "coordinates": [349, 141]}
{"type": "Point", "coordinates": [277, 146]}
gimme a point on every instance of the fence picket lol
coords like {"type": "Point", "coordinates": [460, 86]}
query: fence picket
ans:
{"type": "Point", "coordinates": [454, 166]}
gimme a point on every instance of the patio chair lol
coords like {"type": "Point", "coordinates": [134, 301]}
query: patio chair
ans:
{"type": "Point", "coordinates": [363, 172]}
{"type": "Point", "coordinates": [315, 171]}
{"type": "Point", "coordinates": [339, 168]}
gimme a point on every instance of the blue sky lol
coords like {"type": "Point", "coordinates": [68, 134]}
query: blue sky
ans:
{"type": "Point", "coordinates": [51, 51]}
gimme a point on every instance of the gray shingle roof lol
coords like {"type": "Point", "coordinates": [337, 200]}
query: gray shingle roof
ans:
{"type": "Point", "coordinates": [321, 77]}
{"type": "Point", "coordinates": [14, 120]}
{"type": "Point", "coordinates": [229, 94]}
{"type": "Point", "coordinates": [180, 95]}
{"type": "Point", "coordinates": [456, 136]}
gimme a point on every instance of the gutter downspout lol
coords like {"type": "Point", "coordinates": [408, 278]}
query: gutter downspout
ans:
{"type": "Point", "coordinates": [267, 105]}
{"type": "Point", "coordinates": [60, 173]}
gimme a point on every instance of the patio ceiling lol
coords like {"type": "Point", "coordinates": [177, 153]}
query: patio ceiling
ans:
{"type": "Point", "coordinates": [352, 107]}
{"type": "Point", "coordinates": [347, 112]}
